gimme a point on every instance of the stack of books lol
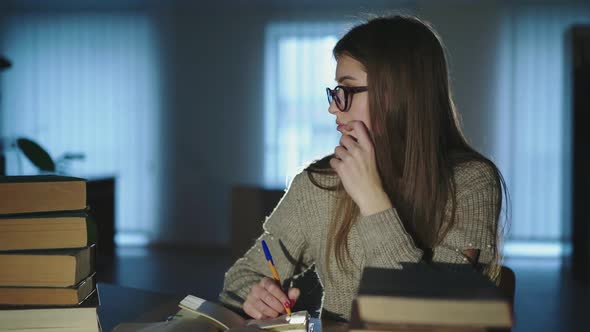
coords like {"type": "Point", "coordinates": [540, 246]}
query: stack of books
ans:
{"type": "Point", "coordinates": [429, 297]}
{"type": "Point", "coordinates": [47, 255]}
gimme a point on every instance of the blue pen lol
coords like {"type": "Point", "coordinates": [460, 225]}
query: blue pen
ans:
{"type": "Point", "coordinates": [273, 269]}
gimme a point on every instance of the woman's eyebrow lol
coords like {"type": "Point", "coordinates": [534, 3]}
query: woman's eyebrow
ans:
{"type": "Point", "coordinates": [346, 77]}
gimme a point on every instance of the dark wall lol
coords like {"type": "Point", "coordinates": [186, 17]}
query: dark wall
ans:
{"type": "Point", "coordinates": [212, 61]}
{"type": "Point", "coordinates": [211, 67]}
{"type": "Point", "coordinates": [212, 118]}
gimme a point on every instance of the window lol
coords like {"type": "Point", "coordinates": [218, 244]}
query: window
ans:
{"type": "Point", "coordinates": [88, 83]}
{"type": "Point", "coordinates": [299, 66]}
{"type": "Point", "coordinates": [533, 150]}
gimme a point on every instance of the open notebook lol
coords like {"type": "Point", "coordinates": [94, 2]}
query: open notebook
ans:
{"type": "Point", "coordinates": [197, 314]}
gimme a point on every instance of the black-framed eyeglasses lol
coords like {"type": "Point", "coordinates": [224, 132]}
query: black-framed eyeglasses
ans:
{"type": "Point", "coordinates": [342, 95]}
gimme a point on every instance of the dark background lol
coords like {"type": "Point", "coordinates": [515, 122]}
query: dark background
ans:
{"type": "Point", "coordinates": [210, 64]}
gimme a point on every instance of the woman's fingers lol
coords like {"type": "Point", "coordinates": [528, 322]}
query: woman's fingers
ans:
{"type": "Point", "coordinates": [264, 300]}
{"type": "Point", "coordinates": [348, 142]}
{"type": "Point", "coordinates": [256, 306]}
{"type": "Point", "coordinates": [353, 150]}
{"type": "Point", "coordinates": [278, 300]}
{"type": "Point", "coordinates": [274, 307]}
{"type": "Point", "coordinates": [360, 131]}
{"type": "Point", "coordinates": [293, 295]}
{"type": "Point", "coordinates": [336, 164]}
{"type": "Point", "coordinates": [341, 153]}
{"type": "Point", "coordinates": [251, 310]}
{"type": "Point", "coordinates": [265, 309]}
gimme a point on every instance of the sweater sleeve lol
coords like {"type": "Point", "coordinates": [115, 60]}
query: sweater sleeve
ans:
{"type": "Point", "coordinates": [283, 233]}
{"type": "Point", "coordinates": [386, 242]}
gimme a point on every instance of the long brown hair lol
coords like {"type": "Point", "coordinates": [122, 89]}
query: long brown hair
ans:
{"type": "Point", "coordinates": [415, 128]}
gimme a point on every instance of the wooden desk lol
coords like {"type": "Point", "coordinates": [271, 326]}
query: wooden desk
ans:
{"type": "Point", "coordinates": [123, 304]}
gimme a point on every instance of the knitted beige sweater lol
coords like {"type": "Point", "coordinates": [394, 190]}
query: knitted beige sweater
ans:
{"type": "Point", "coordinates": [296, 233]}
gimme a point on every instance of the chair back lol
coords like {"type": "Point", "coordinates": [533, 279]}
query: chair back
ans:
{"type": "Point", "coordinates": [508, 287]}
{"type": "Point", "coordinates": [250, 205]}
{"type": "Point", "coordinates": [508, 283]}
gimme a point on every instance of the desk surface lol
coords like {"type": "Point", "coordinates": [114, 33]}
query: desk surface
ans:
{"type": "Point", "coordinates": [123, 304]}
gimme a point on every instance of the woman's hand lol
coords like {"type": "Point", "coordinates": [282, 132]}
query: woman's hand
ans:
{"type": "Point", "coordinates": [356, 166]}
{"type": "Point", "coordinates": [267, 300]}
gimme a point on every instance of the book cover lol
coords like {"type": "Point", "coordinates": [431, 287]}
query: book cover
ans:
{"type": "Point", "coordinates": [48, 296]}
{"type": "Point", "coordinates": [430, 295]}
{"type": "Point", "coordinates": [436, 280]}
{"type": "Point", "coordinates": [43, 193]}
{"type": "Point", "coordinates": [80, 317]}
{"type": "Point", "coordinates": [54, 230]}
{"type": "Point", "coordinates": [49, 268]}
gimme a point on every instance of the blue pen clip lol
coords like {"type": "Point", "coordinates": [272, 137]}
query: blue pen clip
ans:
{"type": "Point", "coordinates": [267, 252]}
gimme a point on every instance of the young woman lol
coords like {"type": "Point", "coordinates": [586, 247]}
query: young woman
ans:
{"type": "Point", "coordinates": [403, 185]}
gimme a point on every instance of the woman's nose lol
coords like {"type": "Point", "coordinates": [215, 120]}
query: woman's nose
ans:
{"type": "Point", "coordinates": [333, 109]}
